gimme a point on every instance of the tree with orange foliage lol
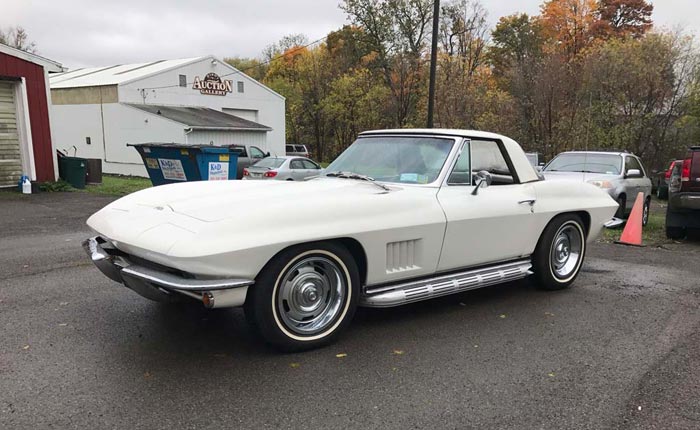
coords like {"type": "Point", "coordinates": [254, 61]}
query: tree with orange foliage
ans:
{"type": "Point", "coordinates": [623, 18]}
{"type": "Point", "coordinates": [569, 24]}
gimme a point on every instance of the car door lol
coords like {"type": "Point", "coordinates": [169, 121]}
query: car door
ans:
{"type": "Point", "coordinates": [297, 169]}
{"type": "Point", "coordinates": [494, 224]}
{"type": "Point", "coordinates": [311, 169]}
{"type": "Point", "coordinates": [635, 183]}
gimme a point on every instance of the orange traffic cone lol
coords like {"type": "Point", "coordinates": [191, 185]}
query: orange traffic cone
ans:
{"type": "Point", "coordinates": [632, 234]}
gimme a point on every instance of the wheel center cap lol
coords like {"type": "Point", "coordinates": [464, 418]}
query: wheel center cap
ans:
{"type": "Point", "coordinates": [310, 293]}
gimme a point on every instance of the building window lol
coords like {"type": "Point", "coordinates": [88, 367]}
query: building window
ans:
{"type": "Point", "coordinates": [183, 80]}
{"type": "Point", "coordinates": [240, 86]}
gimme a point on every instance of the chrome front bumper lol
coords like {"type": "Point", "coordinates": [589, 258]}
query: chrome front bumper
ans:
{"type": "Point", "coordinates": [160, 285]}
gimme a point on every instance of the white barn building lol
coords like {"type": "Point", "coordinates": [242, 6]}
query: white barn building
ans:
{"type": "Point", "coordinates": [189, 101]}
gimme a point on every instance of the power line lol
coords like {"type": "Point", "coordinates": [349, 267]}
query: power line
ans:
{"type": "Point", "coordinates": [238, 71]}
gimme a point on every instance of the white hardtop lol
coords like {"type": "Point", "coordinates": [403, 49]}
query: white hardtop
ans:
{"type": "Point", "coordinates": [439, 131]}
{"type": "Point", "coordinates": [525, 171]}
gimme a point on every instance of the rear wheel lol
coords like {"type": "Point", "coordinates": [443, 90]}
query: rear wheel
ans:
{"type": "Point", "coordinates": [305, 296]}
{"type": "Point", "coordinates": [559, 253]}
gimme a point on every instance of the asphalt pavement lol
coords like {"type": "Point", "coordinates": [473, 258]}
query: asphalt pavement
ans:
{"type": "Point", "coordinates": [620, 349]}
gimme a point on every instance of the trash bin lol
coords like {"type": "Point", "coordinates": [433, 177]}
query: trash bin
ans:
{"type": "Point", "coordinates": [169, 163]}
{"type": "Point", "coordinates": [72, 170]}
{"type": "Point", "coordinates": [94, 171]}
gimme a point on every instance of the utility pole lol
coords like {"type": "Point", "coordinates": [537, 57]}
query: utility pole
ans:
{"type": "Point", "coordinates": [433, 62]}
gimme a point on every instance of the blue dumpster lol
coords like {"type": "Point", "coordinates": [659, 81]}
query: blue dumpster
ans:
{"type": "Point", "coordinates": [169, 163]}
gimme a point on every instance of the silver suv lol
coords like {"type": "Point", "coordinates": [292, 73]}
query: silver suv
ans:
{"type": "Point", "coordinates": [621, 174]}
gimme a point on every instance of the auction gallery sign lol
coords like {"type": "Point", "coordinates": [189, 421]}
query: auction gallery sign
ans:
{"type": "Point", "coordinates": [213, 85]}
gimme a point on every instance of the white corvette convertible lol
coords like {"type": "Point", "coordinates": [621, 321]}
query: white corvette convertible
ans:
{"type": "Point", "coordinates": [400, 216]}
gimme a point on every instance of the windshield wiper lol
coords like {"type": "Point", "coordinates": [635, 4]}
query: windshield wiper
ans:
{"type": "Point", "coordinates": [353, 175]}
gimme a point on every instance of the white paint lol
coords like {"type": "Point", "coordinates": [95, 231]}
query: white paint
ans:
{"type": "Point", "coordinates": [210, 233]}
{"type": "Point", "coordinates": [24, 129]}
{"type": "Point", "coordinates": [112, 125]}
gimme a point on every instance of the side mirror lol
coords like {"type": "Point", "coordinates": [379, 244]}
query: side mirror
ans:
{"type": "Point", "coordinates": [483, 180]}
{"type": "Point", "coordinates": [633, 173]}
{"type": "Point", "coordinates": [267, 154]}
{"type": "Point", "coordinates": [538, 168]}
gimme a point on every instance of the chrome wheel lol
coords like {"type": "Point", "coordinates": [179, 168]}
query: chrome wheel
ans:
{"type": "Point", "coordinates": [566, 251]}
{"type": "Point", "coordinates": [311, 295]}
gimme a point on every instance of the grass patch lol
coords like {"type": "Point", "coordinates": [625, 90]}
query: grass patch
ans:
{"type": "Point", "coordinates": [654, 233]}
{"type": "Point", "coordinates": [114, 185]}
{"type": "Point", "coordinates": [58, 186]}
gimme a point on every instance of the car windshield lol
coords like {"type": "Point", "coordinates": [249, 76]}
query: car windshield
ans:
{"type": "Point", "coordinates": [270, 162]}
{"type": "Point", "coordinates": [408, 160]}
{"type": "Point", "coordinates": [610, 164]}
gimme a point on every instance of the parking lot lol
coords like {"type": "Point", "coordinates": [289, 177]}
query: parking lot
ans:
{"type": "Point", "coordinates": [620, 349]}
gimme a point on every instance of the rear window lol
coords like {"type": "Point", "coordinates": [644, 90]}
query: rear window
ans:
{"type": "Point", "coordinates": [587, 163]}
{"type": "Point", "coordinates": [270, 162]}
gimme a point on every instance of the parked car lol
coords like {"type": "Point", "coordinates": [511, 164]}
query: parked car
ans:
{"type": "Point", "coordinates": [297, 150]}
{"type": "Point", "coordinates": [283, 169]}
{"type": "Point", "coordinates": [662, 180]}
{"type": "Point", "coordinates": [400, 216]}
{"type": "Point", "coordinates": [683, 210]}
{"type": "Point", "coordinates": [620, 174]}
{"type": "Point", "coordinates": [247, 155]}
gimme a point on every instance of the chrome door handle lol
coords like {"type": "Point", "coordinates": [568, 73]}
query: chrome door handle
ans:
{"type": "Point", "coordinates": [529, 201]}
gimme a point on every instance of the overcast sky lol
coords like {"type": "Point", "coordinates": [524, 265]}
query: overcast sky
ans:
{"type": "Point", "coordinates": [79, 33]}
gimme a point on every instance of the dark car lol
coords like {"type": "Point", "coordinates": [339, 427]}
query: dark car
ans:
{"type": "Point", "coordinates": [683, 211]}
{"type": "Point", "coordinates": [662, 179]}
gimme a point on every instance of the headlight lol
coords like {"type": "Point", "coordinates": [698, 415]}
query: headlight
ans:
{"type": "Point", "coordinates": [602, 184]}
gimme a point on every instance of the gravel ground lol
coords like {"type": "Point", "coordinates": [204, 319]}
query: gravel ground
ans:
{"type": "Point", "coordinates": [620, 349]}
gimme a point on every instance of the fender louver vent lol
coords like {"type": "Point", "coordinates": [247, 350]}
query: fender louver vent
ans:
{"type": "Point", "coordinates": [401, 256]}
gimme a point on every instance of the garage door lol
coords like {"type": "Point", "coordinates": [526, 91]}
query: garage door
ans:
{"type": "Point", "coordinates": [10, 163]}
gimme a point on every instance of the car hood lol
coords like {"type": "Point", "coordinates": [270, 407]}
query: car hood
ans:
{"type": "Point", "coordinates": [578, 176]}
{"type": "Point", "coordinates": [211, 201]}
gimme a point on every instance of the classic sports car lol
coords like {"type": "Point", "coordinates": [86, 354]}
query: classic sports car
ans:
{"type": "Point", "coordinates": [400, 216]}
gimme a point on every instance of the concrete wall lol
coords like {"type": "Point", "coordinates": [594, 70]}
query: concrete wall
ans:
{"type": "Point", "coordinates": [257, 99]}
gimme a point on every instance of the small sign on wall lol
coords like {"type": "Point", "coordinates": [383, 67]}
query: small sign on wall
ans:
{"type": "Point", "coordinates": [218, 171]}
{"type": "Point", "coordinates": [213, 85]}
{"type": "Point", "coordinates": [172, 169]}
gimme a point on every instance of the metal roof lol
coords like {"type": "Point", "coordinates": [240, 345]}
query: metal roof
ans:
{"type": "Point", "coordinates": [114, 75]}
{"type": "Point", "coordinates": [201, 118]}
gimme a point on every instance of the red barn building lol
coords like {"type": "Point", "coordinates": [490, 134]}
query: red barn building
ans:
{"type": "Point", "coordinates": [26, 147]}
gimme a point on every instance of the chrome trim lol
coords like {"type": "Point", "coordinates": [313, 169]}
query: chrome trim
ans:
{"type": "Point", "coordinates": [151, 283]}
{"type": "Point", "coordinates": [174, 282]}
{"type": "Point", "coordinates": [424, 289]}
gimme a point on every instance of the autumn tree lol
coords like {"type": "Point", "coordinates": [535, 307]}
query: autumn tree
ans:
{"type": "Point", "coordinates": [569, 24]}
{"type": "Point", "coordinates": [17, 37]}
{"type": "Point", "coordinates": [397, 31]}
{"type": "Point", "coordinates": [517, 42]}
{"type": "Point", "coordinates": [623, 18]}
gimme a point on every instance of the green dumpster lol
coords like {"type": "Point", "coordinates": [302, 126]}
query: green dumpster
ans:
{"type": "Point", "coordinates": [72, 170]}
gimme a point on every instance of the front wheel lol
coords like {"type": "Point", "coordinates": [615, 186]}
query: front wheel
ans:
{"type": "Point", "coordinates": [305, 296]}
{"type": "Point", "coordinates": [622, 206]}
{"type": "Point", "coordinates": [645, 211]}
{"type": "Point", "coordinates": [559, 253]}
